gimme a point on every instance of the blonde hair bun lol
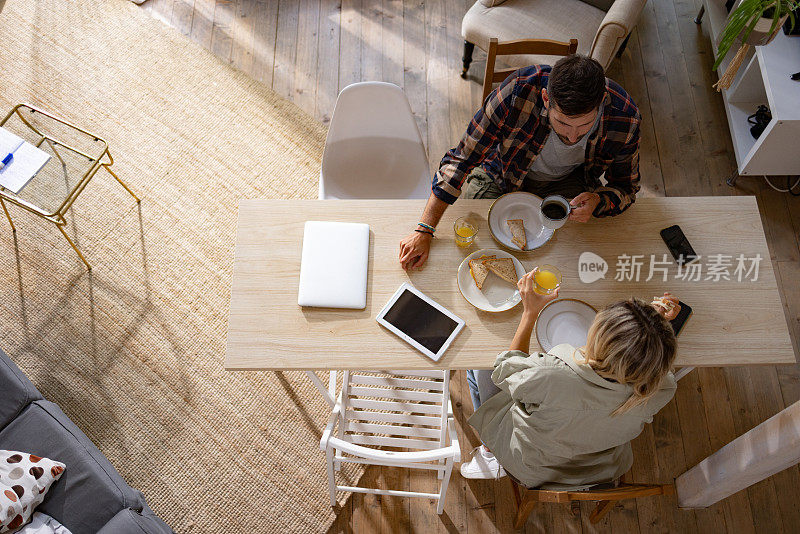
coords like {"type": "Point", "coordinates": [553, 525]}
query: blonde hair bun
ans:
{"type": "Point", "coordinates": [630, 342]}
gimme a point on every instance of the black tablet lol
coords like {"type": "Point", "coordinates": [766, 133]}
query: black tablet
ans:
{"type": "Point", "coordinates": [420, 321]}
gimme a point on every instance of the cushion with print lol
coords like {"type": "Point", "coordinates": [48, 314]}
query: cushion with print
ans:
{"type": "Point", "coordinates": [24, 481]}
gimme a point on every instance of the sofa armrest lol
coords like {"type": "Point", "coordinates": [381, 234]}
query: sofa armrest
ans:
{"type": "Point", "coordinates": [129, 521]}
{"type": "Point", "coordinates": [617, 24]}
{"type": "Point", "coordinates": [17, 391]}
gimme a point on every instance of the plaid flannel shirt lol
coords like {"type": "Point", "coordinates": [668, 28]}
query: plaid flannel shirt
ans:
{"type": "Point", "coordinates": [508, 132]}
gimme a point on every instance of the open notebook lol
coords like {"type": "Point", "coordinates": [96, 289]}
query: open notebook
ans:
{"type": "Point", "coordinates": [333, 268]}
{"type": "Point", "coordinates": [28, 160]}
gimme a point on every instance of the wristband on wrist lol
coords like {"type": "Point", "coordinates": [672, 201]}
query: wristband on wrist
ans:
{"type": "Point", "coordinates": [424, 232]}
{"type": "Point", "coordinates": [429, 227]}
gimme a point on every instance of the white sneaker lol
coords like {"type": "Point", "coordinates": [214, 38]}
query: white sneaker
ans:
{"type": "Point", "coordinates": [482, 465]}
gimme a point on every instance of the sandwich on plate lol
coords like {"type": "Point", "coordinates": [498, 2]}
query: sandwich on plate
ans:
{"type": "Point", "coordinates": [518, 237]}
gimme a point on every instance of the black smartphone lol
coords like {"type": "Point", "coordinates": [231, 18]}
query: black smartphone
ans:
{"type": "Point", "coordinates": [678, 245]}
{"type": "Point", "coordinates": [678, 322]}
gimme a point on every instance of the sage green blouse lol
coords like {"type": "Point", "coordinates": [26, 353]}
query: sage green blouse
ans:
{"type": "Point", "coordinates": [551, 426]}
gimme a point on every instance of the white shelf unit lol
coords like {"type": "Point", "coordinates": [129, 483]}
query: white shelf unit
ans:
{"type": "Point", "coordinates": [762, 79]}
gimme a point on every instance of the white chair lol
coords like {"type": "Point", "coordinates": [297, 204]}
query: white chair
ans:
{"type": "Point", "coordinates": [399, 409]}
{"type": "Point", "coordinates": [373, 148]}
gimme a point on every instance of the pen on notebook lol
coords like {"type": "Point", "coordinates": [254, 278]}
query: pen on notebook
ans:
{"type": "Point", "coordinates": [10, 156]}
{"type": "Point", "coordinates": [6, 160]}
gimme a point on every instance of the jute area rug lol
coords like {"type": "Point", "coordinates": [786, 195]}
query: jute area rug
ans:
{"type": "Point", "coordinates": [133, 352]}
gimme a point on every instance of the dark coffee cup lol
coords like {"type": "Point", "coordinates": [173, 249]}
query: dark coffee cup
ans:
{"type": "Point", "coordinates": [555, 211]}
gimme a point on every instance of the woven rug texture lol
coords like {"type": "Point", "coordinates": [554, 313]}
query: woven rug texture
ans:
{"type": "Point", "coordinates": [133, 351]}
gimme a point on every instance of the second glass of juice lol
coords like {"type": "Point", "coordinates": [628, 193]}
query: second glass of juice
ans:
{"type": "Point", "coordinates": [546, 280]}
{"type": "Point", "coordinates": [465, 232]}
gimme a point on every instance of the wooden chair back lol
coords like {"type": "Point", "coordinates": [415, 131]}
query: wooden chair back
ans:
{"type": "Point", "coordinates": [542, 47]}
{"type": "Point", "coordinates": [607, 496]}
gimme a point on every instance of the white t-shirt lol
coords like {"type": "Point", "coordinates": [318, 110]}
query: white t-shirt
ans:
{"type": "Point", "coordinates": [557, 160]}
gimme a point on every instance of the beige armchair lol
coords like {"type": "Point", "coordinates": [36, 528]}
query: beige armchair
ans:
{"type": "Point", "coordinates": [600, 26]}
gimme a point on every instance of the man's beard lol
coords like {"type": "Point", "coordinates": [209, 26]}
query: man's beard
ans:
{"type": "Point", "coordinates": [567, 141]}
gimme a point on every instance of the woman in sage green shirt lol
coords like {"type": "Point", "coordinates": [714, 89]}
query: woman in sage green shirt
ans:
{"type": "Point", "coordinates": [566, 418]}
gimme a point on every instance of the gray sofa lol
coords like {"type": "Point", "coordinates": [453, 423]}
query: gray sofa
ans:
{"type": "Point", "coordinates": [91, 496]}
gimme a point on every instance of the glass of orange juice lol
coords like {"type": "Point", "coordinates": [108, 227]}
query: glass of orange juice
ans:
{"type": "Point", "coordinates": [465, 232]}
{"type": "Point", "coordinates": [546, 280]}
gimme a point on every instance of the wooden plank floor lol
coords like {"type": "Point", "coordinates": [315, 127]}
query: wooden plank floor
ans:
{"type": "Point", "coordinates": [307, 50]}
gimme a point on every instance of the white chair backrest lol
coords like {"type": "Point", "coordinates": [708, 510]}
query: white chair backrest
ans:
{"type": "Point", "coordinates": [372, 109]}
{"type": "Point", "coordinates": [377, 409]}
{"type": "Point", "coordinates": [374, 148]}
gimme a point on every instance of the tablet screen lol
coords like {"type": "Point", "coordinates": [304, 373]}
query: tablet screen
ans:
{"type": "Point", "coordinates": [420, 321]}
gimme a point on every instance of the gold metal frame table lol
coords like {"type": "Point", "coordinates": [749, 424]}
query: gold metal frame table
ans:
{"type": "Point", "coordinates": [76, 156]}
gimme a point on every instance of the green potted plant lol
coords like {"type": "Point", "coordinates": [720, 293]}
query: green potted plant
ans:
{"type": "Point", "coordinates": [754, 23]}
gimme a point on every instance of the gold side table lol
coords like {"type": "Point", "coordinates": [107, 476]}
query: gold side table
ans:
{"type": "Point", "coordinates": [76, 156]}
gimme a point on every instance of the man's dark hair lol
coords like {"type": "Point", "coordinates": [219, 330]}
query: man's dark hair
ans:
{"type": "Point", "coordinates": [577, 85]}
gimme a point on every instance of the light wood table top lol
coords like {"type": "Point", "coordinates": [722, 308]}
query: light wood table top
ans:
{"type": "Point", "coordinates": [734, 323]}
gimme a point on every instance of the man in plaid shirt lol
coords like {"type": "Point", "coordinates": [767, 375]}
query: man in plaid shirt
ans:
{"type": "Point", "coordinates": [508, 147]}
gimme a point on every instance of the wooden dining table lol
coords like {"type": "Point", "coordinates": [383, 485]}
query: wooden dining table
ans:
{"type": "Point", "coordinates": [734, 322]}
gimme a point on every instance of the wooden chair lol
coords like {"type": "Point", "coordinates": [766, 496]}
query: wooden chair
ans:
{"type": "Point", "coordinates": [407, 409]}
{"type": "Point", "coordinates": [606, 494]}
{"type": "Point", "coordinates": [543, 47]}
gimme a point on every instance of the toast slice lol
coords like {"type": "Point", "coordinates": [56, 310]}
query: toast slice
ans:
{"type": "Point", "coordinates": [478, 270]}
{"type": "Point", "coordinates": [518, 237]}
{"type": "Point", "coordinates": [504, 268]}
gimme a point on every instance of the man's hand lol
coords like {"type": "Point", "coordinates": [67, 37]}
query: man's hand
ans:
{"type": "Point", "coordinates": [415, 247]}
{"type": "Point", "coordinates": [583, 206]}
{"type": "Point", "coordinates": [414, 250]}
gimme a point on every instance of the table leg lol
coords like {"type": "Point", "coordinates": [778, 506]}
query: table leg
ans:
{"type": "Point", "coordinates": [5, 209]}
{"type": "Point", "coordinates": [128, 189]}
{"type": "Point", "coordinates": [326, 394]}
{"type": "Point", "coordinates": [61, 227]}
{"type": "Point", "coordinates": [53, 148]}
{"type": "Point", "coordinates": [107, 166]}
{"type": "Point", "coordinates": [683, 371]}
{"type": "Point", "coordinates": [332, 384]}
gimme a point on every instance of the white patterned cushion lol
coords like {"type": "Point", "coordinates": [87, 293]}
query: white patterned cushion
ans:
{"type": "Point", "coordinates": [24, 481]}
{"type": "Point", "coordinates": [43, 524]}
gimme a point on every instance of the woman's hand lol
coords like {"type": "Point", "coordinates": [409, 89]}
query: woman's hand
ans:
{"type": "Point", "coordinates": [533, 302]}
{"type": "Point", "coordinates": [668, 314]}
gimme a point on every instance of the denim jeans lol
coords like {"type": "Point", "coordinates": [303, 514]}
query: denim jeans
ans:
{"type": "Point", "coordinates": [481, 387]}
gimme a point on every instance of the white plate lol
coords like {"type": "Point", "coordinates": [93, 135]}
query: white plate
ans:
{"type": "Point", "coordinates": [497, 295]}
{"type": "Point", "coordinates": [519, 205]}
{"type": "Point", "coordinates": [564, 321]}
